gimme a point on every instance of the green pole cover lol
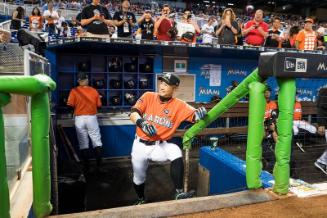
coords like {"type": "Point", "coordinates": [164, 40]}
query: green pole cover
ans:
{"type": "Point", "coordinates": [38, 87]}
{"type": "Point", "coordinates": [4, 190]}
{"type": "Point", "coordinates": [231, 99]}
{"type": "Point", "coordinates": [27, 85]}
{"type": "Point", "coordinates": [257, 104]}
{"type": "Point", "coordinates": [286, 101]}
{"type": "Point", "coordinates": [41, 155]}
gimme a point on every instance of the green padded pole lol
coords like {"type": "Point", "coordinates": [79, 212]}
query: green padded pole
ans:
{"type": "Point", "coordinates": [286, 100]}
{"type": "Point", "coordinates": [40, 111]}
{"type": "Point", "coordinates": [257, 106]}
{"type": "Point", "coordinates": [26, 85]}
{"type": "Point", "coordinates": [4, 190]}
{"type": "Point", "coordinates": [38, 87]}
{"type": "Point", "coordinates": [231, 99]}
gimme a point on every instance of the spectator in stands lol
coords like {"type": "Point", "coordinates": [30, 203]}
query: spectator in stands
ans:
{"type": "Point", "coordinates": [74, 23]}
{"type": "Point", "coordinates": [35, 20]}
{"type": "Point", "coordinates": [96, 19]}
{"type": "Point", "coordinates": [256, 30]}
{"type": "Point", "coordinates": [274, 38]}
{"type": "Point", "coordinates": [146, 25]}
{"type": "Point", "coordinates": [59, 22]}
{"type": "Point", "coordinates": [124, 20]}
{"type": "Point", "coordinates": [51, 17]}
{"type": "Point", "coordinates": [163, 27]}
{"type": "Point", "coordinates": [306, 39]}
{"type": "Point", "coordinates": [321, 38]}
{"type": "Point", "coordinates": [289, 39]}
{"type": "Point", "coordinates": [208, 31]}
{"type": "Point", "coordinates": [227, 29]}
{"type": "Point", "coordinates": [17, 18]}
{"type": "Point", "coordinates": [187, 29]}
{"type": "Point", "coordinates": [64, 30]}
{"type": "Point", "coordinates": [239, 37]}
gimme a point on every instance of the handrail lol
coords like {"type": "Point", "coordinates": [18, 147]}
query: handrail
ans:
{"type": "Point", "coordinates": [229, 101]}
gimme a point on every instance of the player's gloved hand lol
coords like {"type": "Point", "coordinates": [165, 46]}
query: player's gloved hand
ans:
{"type": "Point", "coordinates": [146, 127]}
{"type": "Point", "coordinates": [200, 113]}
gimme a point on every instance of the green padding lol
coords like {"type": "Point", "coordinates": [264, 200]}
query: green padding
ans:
{"type": "Point", "coordinates": [232, 98]}
{"type": "Point", "coordinates": [41, 155]}
{"type": "Point", "coordinates": [4, 191]}
{"type": "Point", "coordinates": [26, 85]}
{"type": "Point", "coordinates": [38, 87]}
{"type": "Point", "coordinates": [257, 106]}
{"type": "Point", "coordinates": [286, 100]}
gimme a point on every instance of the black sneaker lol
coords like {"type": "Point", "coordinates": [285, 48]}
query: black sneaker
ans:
{"type": "Point", "coordinates": [184, 195]}
{"type": "Point", "coordinates": [140, 201]}
{"type": "Point", "coordinates": [321, 166]}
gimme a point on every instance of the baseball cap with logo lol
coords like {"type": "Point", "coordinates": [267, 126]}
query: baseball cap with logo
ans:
{"type": "Point", "coordinates": [82, 76]}
{"type": "Point", "coordinates": [309, 20]}
{"type": "Point", "coordinates": [170, 78]}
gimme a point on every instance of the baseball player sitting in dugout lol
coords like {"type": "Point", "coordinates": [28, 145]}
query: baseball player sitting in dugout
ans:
{"type": "Point", "coordinates": [85, 100]}
{"type": "Point", "coordinates": [157, 116]}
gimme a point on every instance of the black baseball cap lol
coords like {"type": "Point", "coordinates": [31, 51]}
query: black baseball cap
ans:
{"type": "Point", "coordinates": [170, 78]}
{"type": "Point", "coordinates": [82, 76]}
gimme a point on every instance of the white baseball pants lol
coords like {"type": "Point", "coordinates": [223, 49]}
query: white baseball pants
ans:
{"type": "Point", "coordinates": [87, 125]}
{"type": "Point", "coordinates": [301, 124]}
{"type": "Point", "coordinates": [141, 154]}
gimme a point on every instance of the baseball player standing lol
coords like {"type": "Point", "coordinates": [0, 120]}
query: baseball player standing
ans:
{"type": "Point", "coordinates": [157, 116]}
{"type": "Point", "coordinates": [85, 100]}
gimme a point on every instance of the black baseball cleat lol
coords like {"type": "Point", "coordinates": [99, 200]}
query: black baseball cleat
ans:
{"type": "Point", "coordinates": [139, 201]}
{"type": "Point", "coordinates": [184, 195]}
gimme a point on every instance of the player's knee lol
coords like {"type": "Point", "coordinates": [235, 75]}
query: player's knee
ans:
{"type": "Point", "coordinates": [138, 180]}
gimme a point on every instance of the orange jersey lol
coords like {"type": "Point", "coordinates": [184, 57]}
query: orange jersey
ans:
{"type": "Point", "coordinates": [36, 22]}
{"type": "Point", "coordinates": [270, 106]}
{"type": "Point", "coordinates": [297, 111]}
{"type": "Point", "coordinates": [165, 116]}
{"type": "Point", "coordinates": [307, 40]}
{"type": "Point", "coordinates": [85, 100]}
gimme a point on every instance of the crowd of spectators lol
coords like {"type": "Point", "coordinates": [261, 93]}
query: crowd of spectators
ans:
{"type": "Point", "coordinates": [196, 25]}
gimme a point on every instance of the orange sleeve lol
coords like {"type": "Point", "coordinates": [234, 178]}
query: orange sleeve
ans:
{"type": "Point", "coordinates": [71, 98]}
{"type": "Point", "coordinates": [300, 36]}
{"type": "Point", "coordinates": [187, 112]}
{"type": "Point", "coordinates": [142, 102]}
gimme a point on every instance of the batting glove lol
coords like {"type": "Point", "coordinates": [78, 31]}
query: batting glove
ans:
{"type": "Point", "coordinates": [200, 113]}
{"type": "Point", "coordinates": [146, 127]}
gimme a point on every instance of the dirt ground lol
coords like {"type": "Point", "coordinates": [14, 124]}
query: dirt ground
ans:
{"type": "Point", "coordinates": [287, 207]}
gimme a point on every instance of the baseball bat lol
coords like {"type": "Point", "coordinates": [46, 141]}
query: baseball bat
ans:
{"type": "Point", "coordinates": [187, 169]}
{"type": "Point", "coordinates": [64, 144]}
{"type": "Point", "coordinates": [69, 144]}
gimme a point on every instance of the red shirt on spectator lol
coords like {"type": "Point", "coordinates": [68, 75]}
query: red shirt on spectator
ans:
{"type": "Point", "coordinates": [254, 37]}
{"type": "Point", "coordinates": [165, 25]}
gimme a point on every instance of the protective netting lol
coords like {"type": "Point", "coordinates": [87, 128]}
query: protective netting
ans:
{"type": "Point", "coordinates": [11, 59]}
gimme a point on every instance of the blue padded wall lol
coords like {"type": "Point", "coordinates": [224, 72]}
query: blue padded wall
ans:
{"type": "Point", "coordinates": [227, 172]}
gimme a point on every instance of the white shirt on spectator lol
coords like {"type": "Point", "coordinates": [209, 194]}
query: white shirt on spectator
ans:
{"type": "Point", "coordinates": [184, 28]}
{"type": "Point", "coordinates": [59, 21]}
{"type": "Point", "coordinates": [54, 14]}
{"type": "Point", "coordinates": [207, 37]}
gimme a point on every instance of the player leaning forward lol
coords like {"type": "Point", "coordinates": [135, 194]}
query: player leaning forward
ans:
{"type": "Point", "coordinates": [157, 116]}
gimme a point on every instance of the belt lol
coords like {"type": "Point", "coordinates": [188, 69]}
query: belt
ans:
{"type": "Point", "coordinates": [149, 142]}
